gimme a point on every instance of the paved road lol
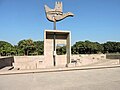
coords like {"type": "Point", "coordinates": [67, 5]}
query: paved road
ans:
{"type": "Point", "coordinates": [101, 79]}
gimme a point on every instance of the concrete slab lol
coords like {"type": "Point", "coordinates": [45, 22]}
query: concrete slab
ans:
{"type": "Point", "coordinates": [56, 69]}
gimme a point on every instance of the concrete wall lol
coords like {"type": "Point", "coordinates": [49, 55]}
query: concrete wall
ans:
{"type": "Point", "coordinates": [113, 56]}
{"type": "Point", "coordinates": [89, 56]}
{"type": "Point", "coordinates": [35, 62]}
{"type": "Point", "coordinates": [6, 61]}
{"type": "Point", "coordinates": [61, 60]}
{"type": "Point", "coordinates": [86, 59]}
{"type": "Point", "coordinates": [28, 62]}
{"type": "Point", "coordinates": [94, 56]}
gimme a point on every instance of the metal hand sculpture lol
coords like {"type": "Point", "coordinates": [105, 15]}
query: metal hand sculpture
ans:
{"type": "Point", "coordinates": [56, 14]}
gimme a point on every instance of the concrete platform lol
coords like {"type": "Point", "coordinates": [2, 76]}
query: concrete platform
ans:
{"type": "Point", "coordinates": [56, 69]}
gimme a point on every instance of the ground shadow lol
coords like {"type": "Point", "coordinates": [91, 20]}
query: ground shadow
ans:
{"type": "Point", "coordinates": [6, 62]}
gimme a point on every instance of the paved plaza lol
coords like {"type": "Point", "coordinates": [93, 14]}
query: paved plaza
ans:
{"type": "Point", "coordinates": [97, 79]}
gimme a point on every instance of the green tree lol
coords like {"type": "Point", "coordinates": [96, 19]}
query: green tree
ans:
{"type": "Point", "coordinates": [111, 47]}
{"type": "Point", "coordinates": [6, 48]}
{"type": "Point", "coordinates": [39, 46]}
{"type": "Point", "coordinates": [61, 50]}
{"type": "Point", "coordinates": [26, 47]}
{"type": "Point", "coordinates": [86, 47]}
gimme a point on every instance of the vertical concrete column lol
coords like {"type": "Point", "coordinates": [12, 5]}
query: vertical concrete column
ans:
{"type": "Point", "coordinates": [68, 47]}
{"type": "Point", "coordinates": [48, 50]}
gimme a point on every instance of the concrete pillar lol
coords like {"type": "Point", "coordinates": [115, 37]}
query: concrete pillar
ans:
{"type": "Point", "coordinates": [62, 37]}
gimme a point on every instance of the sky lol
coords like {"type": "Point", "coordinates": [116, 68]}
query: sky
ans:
{"type": "Point", "coordinates": [94, 20]}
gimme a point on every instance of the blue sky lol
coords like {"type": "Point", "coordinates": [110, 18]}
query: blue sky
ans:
{"type": "Point", "coordinates": [94, 20]}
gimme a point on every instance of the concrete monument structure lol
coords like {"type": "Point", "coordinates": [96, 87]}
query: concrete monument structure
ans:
{"type": "Point", "coordinates": [51, 39]}
{"type": "Point", "coordinates": [54, 37]}
{"type": "Point", "coordinates": [51, 58]}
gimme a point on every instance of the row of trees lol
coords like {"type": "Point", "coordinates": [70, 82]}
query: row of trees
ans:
{"type": "Point", "coordinates": [30, 47]}
{"type": "Point", "coordinates": [24, 47]}
{"type": "Point", "coordinates": [88, 47]}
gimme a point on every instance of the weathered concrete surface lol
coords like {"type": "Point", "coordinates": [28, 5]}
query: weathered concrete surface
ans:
{"type": "Point", "coordinates": [37, 62]}
{"type": "Point", "coordinates": [55, 69]}
{"type": "Point", "coordinates": [99, 79]}
{"type": "Point", "coordinates": [28, 62]}
{"type": "Point", "coordinates": [62, 37]}
{"type": "Point", "coordinates": [86, 59]}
